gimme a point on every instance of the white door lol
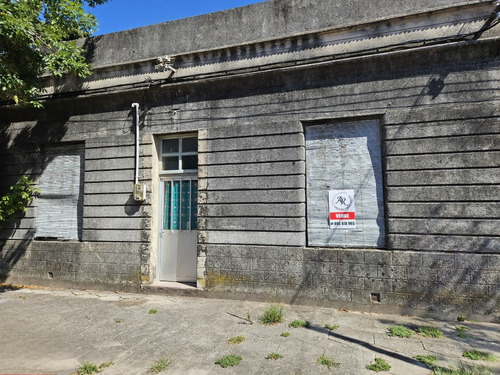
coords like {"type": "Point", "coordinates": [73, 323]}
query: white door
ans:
{"type": "Point", "coordinates": [179, 227]}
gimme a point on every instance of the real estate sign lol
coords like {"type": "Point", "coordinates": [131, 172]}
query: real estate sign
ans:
{"type": "Point", "coordinates": [342, 209]}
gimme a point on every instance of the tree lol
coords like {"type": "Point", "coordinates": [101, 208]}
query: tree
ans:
{"type": "Point", "coordinates": [17, 200]}
{"type": "Point", "coordinates": [38, 36]}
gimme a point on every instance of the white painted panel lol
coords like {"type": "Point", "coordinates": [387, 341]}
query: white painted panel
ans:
{"type": "Point", "coordinates": [60, 205]}
{"type": "Point", "coordinates": [339, 156]}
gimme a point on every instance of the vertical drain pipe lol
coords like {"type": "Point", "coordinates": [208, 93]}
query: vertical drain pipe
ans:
{"type": "Point", "coordinates": [139, 189]}
{"type": "Point", "coordinates": [136, 176]}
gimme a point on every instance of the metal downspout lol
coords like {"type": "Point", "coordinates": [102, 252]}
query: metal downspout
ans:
{"type": "Point", "coordinates": [136, 174]}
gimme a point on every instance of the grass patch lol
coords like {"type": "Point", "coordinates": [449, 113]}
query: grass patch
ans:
{"type": "Point", "coordinates": [87, 368]}
{"type": "Point", "coordinates": [327, 361]}
{"type": "Point", "coordinates": [153, 311]}
{"type": "Point", "coordinates": [299, 324]}
{"type": "Point", "coordinates": [429, 360]}
{"type": "Point", "coordinates": [400, 331]}
{"type": "Point", "coordinates": [229, 360]}
{"type": "Point", "coordinates": [430, 332]}
{"type": "Point", "coordinates": [285, 334]}
{"type": "Point", "coordinates": [105, 365]}
{"type": "Point", "coordinates": [236, 340]}
{"type": "Point", "coordinates": [160, 365]}
{"type": "Point", "coordinates": [272, 315]}
{"type": "Point", "coordinates": [461, 331]}
{"type": "Point", "coordinates": [249, 318]}
{"type": "Point", "coordinates": [274, 356]}
{"type": "Point", "coordinates": [461, 318]}
{"type": "Point", "coordinates": [379, 365]}
{"type": "Point", "coordinates": [477, 355]}
{"type": "Point", "coordinates": [118, 321]}
{"type": "Point", "coordinates": [331, 327]}
{"type": "Point", "coordinates": [462, 370]}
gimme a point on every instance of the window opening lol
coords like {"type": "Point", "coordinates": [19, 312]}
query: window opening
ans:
{"type": "Point", "coordinates": [179, 154]}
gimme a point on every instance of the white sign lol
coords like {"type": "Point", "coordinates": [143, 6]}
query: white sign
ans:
{"type": "Point", "coordinates": [342, 209]}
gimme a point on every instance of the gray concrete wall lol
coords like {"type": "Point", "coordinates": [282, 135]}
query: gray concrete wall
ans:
{"type": "Point", "coordinates": [262, 21]}
{"type": "Point", "coordinates": [439, 111]}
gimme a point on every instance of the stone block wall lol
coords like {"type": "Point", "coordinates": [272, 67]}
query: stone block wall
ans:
{"type": "Point", "coordinates": [438, 108]}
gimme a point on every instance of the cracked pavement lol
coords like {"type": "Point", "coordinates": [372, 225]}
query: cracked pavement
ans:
{"type": "Point", "coordinates": [54, 331]}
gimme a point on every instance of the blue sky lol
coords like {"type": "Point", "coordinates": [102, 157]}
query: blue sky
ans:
{"type": "Point", "coordinates": [117, 15]}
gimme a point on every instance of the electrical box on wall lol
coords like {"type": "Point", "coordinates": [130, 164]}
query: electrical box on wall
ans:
{"type": "Point", "coordinates": [139, 192]}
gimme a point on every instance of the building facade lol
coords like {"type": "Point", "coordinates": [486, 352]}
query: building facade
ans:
{"type": "Point", "coordinates": [304, 151]}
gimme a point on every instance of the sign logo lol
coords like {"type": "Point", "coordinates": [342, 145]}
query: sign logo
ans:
{"type": "Point", "coordinates": [342, 209]}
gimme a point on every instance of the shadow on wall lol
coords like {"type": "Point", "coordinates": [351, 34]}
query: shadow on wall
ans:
{"type": "Point", "coordinates": [22, 153]}
{"type": "Point", "coordinates": [24, 134]}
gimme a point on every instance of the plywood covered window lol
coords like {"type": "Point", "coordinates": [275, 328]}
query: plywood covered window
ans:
{"type": "Point", "coordinates": [60, 205]}
{"type": "Point", "coordinates": [345, 156]}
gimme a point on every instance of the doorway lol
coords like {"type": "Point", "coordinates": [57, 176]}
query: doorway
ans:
{"type": "Point", "coordinates": [179, 205]}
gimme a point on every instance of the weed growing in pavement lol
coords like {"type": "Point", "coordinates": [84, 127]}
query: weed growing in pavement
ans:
{"type": "Point", "coordinates": [272, 315]}
{"type": "Point", "coordinates": [429, 360]}
{"type": "Point", "coordinates": [274, 356]}
{"type": "Point", "coordinates": [379, 365]}
{"type": "Point", "coordinates": [118, 321]}
{"type": "Point", "coordinates": [229, 360]}
{"type": "Point", "coordinates": [105, 365]}
{"type": "Point", "coordinates": [462, 370]}
{"type": "Point", "coordinates": [331, 327]}
{"type": "Point", "coordinates": [461, 318]}
{"type": "Point", "coordinates": [87, 368]}
{"type": "Point", "coordinates": [285, 334]}
{"type": "Point", "coordinates": [477, 355]}
{"type": "Point", "coordinates": [236, 340]}
{"type": "Point", "coordinates": [429, 332]}
{"type": "Point", "coordinates": [248, 317]}
{"type": "Point", "coordinates": [160, 365]}
{"type": "Point", "coordinates": [327, 361]}
{"type": "Point", "coordinates": [461, 331]}
{"type": "Point", "coordinates": [153, 311]}
{"type": "Point", "coordinates": [400, 331]}
{"type": "Point", "coordinates": [299, 324]}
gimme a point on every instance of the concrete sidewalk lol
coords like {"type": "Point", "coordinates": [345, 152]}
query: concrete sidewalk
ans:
{"type": "Point", "coordinates": [54, 331]}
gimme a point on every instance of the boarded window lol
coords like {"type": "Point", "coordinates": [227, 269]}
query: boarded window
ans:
{"type": "Point", "coordinates": [345, 156]}
{"type": "Point", "coordinates": [60, 205]}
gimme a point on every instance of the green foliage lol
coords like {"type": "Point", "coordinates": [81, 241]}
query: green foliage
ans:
{"type": "Point", "coordinates": [331, 327]}
{"type": "Point", "coordinates": [429, 360]}
{"type": "Point", "coordinates": [461, 318]}
{"type": "Point", "coordinates": [326, 361]}
{"type": "Point", "coordinates": [160, 365]}
{"type": "Point", "coordinates": [400, 331]}
{"type": "Point", "coordinates": [272, 315]}
{"type": "Point", "coordinates": [153, 311]}
{"type": "Point", "coordinates": [105, 365]}
{"type": "Point", "coordinates": [38, 36]}
{"type": "Point", "coordinates": [477, 355]}
{"type": "Point", "coordinates": [461, 331]}
{"type": "Point", "coordinates": [462, 370]}
{"type": "Point", "coordinates": [431, 332]}
{"type": "Point", "coordinates": [17, 200]}
{"type": "Point", "coordinates": [236, 340]}
{"type": "Point", "coordinates": [229, 360]}
{"type": "Point", "coordinates": [285, 334]}
{"type": "Point", "coordinates": [249, 319]}
{"type": "Point", "coordinates": [299, 324]}
{"type": "Point", "coordinates": [87, 368]}
{"type": "Point", "coordinates": [274, 356]}
{"type": "Point", "coordinates": [379, 365]}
